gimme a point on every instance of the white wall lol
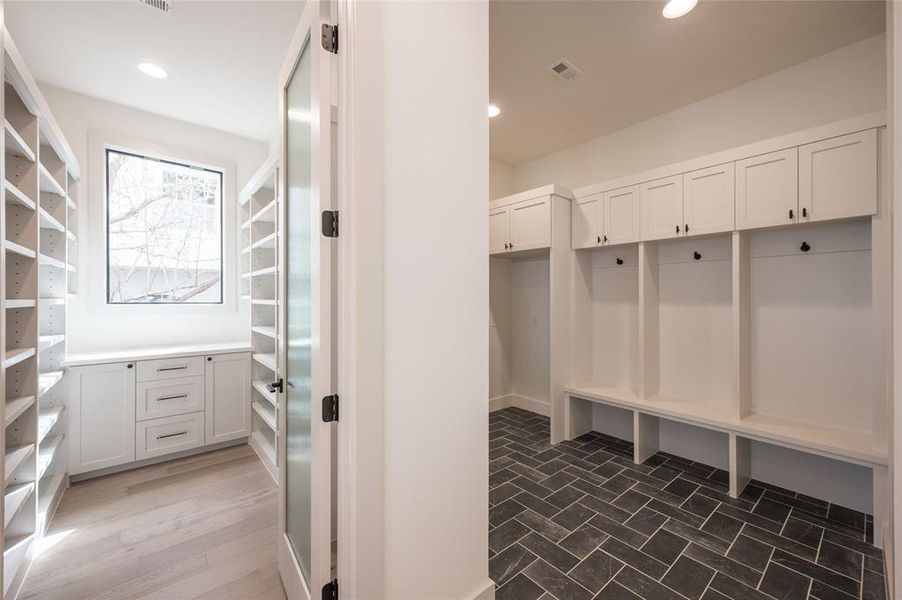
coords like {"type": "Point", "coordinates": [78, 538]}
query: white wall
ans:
{"type": "Point", "coordinates": [501, 180]}
{"type": "Point", "coordinates": [435, 152]}
{"type": "Point", "coordinates": [843, 83]}
{"type": "Point", "coordinates": [92, 330]}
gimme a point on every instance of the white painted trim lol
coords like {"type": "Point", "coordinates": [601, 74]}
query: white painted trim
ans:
{"type": "Point", "coordinates": [486, 592]}
{"type": "Point", "coordinates": [539, 192]}
{"type": "Point", "coordinates": [798, 138]}
{"type": "Point", "coordinates": [259, 178]}
{"type": "Point", "coordinates": [540, 407]}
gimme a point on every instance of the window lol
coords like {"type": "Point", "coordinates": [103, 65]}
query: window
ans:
{"type": "Point", "coordinates": [164, 231]}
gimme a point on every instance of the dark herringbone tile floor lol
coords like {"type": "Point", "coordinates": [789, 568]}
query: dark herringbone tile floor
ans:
{"type": "Point", "coordinates": [580, 520]}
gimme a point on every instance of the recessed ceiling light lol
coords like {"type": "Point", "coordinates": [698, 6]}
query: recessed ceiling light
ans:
{"type": "Point", "coordinates": [678, 8]}
{"type": "Point", "coordinates": [152, 70]}
{"type": "Point", "coordinates": [494, 111]}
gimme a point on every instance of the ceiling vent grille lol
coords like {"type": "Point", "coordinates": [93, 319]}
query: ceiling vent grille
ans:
{"type": "Point", "coordinates": [163, 6]}
{"type": "Point", "coordinates": [564, 69]}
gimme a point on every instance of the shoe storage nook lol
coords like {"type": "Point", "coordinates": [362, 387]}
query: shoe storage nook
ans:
{"type": "Point", "coordinates": [732, 309]}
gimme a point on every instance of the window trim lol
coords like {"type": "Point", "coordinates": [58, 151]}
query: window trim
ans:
{"type": "Point", "coordinates": [107, 149]}
{"type": "Point", "coordinates": [92, 243]}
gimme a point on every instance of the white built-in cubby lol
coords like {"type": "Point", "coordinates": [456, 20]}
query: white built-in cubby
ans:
{"type": "Point", "coordinates": [755, 347]}
{"type": "Point", "coordinates": [258, 210]}
{"type": "Point", "coordinates": [38, 266]}
{"type": "Point", "coordinates": [529, 299]}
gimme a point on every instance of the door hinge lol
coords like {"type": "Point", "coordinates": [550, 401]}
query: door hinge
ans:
{"type": "Point", "coordinates": [330, 38]}
{"type": "Point", "coordinates": [330, 590]}
{"type": "Point", "coordinates": [330, 223]}
{"type": "Point", "coordinates": [275, 386]}
{"type": "Point", "coordinates": [330, 408]}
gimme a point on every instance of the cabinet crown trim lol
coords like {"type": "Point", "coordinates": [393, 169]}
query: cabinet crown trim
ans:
{"type": "Point", "coordinates": [863, 122]}
{"type": "Point", "coordinates": [545, 190]}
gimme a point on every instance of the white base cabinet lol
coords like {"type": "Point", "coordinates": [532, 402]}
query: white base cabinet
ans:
{"type": "Point", "coordinates": [228, 397]}
{"type": "Point", "coordinates": [122, 412]}
{"type": "Point", "coordinates": [102, 416]}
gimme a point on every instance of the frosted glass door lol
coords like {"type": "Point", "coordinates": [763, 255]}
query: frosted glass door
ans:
{"type": "Point", "coordinates": [305, 323]}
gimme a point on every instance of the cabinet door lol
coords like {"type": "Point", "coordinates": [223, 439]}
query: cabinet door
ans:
{"type": "Point", "coordinates": [586, 219]}
{"type": "Point", "coordinates": [838, 177]}
{"type": "Point", "coordinates": [709, 200]}
{"type": "Point", "coordinates": [228, 397]}
{"type": "Point", "coordinates": [499, 230]}
{"type": "Point", "coordinates": [621, 216]}
{"type": "Point", "coordinates": [531, 224]}
{"type": "Point", "coordinates": [767, 189]}
{"type": "Point", "coordinates": [661, 206]}
{"type": "Point", "coordinates": [101, 416]}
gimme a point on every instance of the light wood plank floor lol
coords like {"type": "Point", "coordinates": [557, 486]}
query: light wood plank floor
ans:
{"type": "Point", "coordinates": [202, 527]}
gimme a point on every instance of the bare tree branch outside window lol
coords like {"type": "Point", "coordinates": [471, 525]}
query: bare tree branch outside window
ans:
{"type": "Point", "coordinates": [164, 231]}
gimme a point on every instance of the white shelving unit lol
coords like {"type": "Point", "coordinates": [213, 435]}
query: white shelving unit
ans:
{"type": "Point", "coordinates": [38, 258]}
{"type": "Point", "coordinates": [259, 282]}
{"type": "Point", "coordinates": [751, 346]}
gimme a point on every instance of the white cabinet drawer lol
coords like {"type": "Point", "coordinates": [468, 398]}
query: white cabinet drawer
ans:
{"type": "Point", "coordinates": [169, 397]}
{"type": "Point", "coordinates": [170, 368]}
{"type": "Point", "coordinates": [169, 434]}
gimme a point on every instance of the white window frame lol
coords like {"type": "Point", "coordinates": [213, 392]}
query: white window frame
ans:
{"type": "Point", "coordinates": [93, 259]}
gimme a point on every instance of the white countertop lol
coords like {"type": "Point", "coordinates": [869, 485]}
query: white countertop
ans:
{"type": "Point", "coordinates": [99, 358]}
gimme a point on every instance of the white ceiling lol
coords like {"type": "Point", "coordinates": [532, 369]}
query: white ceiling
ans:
{"type": "Point", "coordinates": [223, 57]}
{"type": "Point", "coordinates": [637, 64]}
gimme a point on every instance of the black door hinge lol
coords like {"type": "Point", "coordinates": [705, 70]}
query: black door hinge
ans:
{"type": "Point", "coordinates": [330, 590]}
{"type": "Point", "coordinates": [330, 408]}
{"type": "Point", "coordinates": [330, 38]}
{"type": "Point", "coordinates": [275, 386]}
{"type": "Point", "coordinates": [330, 223]}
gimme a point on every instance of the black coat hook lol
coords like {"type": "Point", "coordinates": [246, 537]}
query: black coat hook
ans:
{"type": "Point", "coordinates": [619, 261]}
{"type": "Point", "coordinates": [696, 255]}
{"type": "Point", "coordinates": [804, 247]}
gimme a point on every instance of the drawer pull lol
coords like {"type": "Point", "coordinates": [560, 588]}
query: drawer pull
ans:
{"type": "Point", "coordinates": [169, 435]}
{"type": "Point", "coordinates": [179, 397]}
{"type": "Point", "coordinates": [161, 369]}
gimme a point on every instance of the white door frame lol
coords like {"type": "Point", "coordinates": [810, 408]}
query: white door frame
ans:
{"type": "Point", "coordinates": [307, 36]}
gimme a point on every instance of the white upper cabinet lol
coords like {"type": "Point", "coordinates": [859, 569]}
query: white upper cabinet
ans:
{"type": "Point", "coordinates": [661, 203]}
{"type": "Point", "coordinates": [499, 230]}
{"type": "Point", "coordinates": [838, 177]}
{"type": "Point", "coordinates": [767, 189]}
{"type": "Point", "coordinates": [709, 200]}
{"type": "Point", "coordinates": [587, 222]}
{"type": "Point", "coordinates": [530, 224]}
{"type": "Point", "coordinates": [621, 216]}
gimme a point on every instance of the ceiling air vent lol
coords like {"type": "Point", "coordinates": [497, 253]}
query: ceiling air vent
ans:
{"type": "Point", "coordinates": [564, 69]}
{"type": "Point", "coordinates": [163, 6]}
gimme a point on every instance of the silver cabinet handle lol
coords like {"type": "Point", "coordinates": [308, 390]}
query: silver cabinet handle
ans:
{"type": "Point", "coordinates": [169, 435]}
{"type": "Point", "coordinates": [179, 397]}
{"type": "Point", "coordinates": [161, 369]}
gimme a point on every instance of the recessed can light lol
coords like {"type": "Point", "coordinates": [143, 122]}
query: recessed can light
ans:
{"type": "Point", "coordinates": [152, 70]}
{"type": "Point", "coordinates": [494, 111]}
{"type": "Point", "coordinates": [678, 8]}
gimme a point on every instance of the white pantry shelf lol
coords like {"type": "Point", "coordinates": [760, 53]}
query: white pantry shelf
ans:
{"type": "Point", "coordinates": [14, 458]}
{"type": "Point", "coordinates": [19, 249]}
{"type": "Point", "coordinates": [15, 143]}
{"type": "Point", "coordinates": [48, 452]}
{"type": "Point", "coordinates": [47, 221]}
{"type": "Point", "coordinates": [267, 214]}
{"type": "Point", "coordinates": [14, 497]}
{"type": "Point", "coordinates": [268, 360]}
{"type": "Point", "coordinates": [17, 355]}
{"type": "Point", "coordinates": [16, 196]}
{"type": "Point", "coordinates": [48, 183]}
{"type": "Point", "coordinates": [260, 386]}
{"type": "Point", "coordinates": [266, 415]}
{"type": "Point", "coordinates": [51, 262]}
{"type": "Point", "coordinates": [46, 342]}
{"type": "Point", "coordinates": [46, 381]}
{"type": "Point", "coordinates": [16, 407]}
{"type": "Point", "coordinates": [266, 242]}
{"type": "Point", "coordinates": [20, 303]}
{"type": "Point", "coordinates": [47, 418]}
{"type": "Point", "coordinates": [265, 330]}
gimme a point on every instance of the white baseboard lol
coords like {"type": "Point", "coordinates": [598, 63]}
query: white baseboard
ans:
{"type": "Point", "coordinates": [888, 564]}
{"type": "Point", "coordinates": [515, 400]}
{"type": "Point", "coordinates": [486, 592]}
